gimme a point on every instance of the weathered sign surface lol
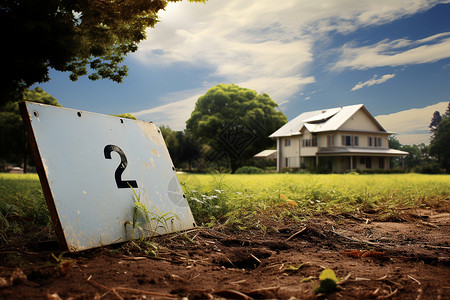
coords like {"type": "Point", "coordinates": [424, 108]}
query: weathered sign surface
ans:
{"type": "Point", "coordinates": [106, 179]}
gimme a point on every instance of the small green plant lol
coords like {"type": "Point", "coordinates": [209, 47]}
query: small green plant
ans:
{"type": "Point", "coordinates": [153, 222]}
{"type": "Point", "coordinates": [62, 265]}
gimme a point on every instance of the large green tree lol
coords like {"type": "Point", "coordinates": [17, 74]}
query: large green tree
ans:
{"type": "Point", "coordinates": [78, 36]}
{"type": "Point", "coordinates": [234, 123]}
{"type": "Point", "coordinates": [13, 140]}
{"type": "Point", "coordinates": [440, 144]}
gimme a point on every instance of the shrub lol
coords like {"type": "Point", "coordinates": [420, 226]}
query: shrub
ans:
{"type": "Point", "coordinates": [249, 170]}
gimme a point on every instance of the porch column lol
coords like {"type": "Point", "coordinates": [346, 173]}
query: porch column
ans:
{"type": "Point", "coordinates": [279, 155]}
{"type": "Point", "coordinates": [351, 163]}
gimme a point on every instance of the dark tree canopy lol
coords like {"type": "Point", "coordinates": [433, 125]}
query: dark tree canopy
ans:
{"type": "Point", "coordinates": [440, 144]}
{"type": "Point", "coordinates": [435, 121]}
{"type": "Point", "coordinates": [77, 36]}
{"type": "Point", "coordinates": [234, 122]}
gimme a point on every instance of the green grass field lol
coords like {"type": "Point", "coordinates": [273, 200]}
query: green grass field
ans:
{"type": "Point", "coordinates": [239, 196]}
{"type": "Point", "coordinates": [239, 199]}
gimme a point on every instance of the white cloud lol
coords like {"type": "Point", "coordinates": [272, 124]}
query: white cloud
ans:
{"type": "Point", "coordinates": [279, 89]}
{"type": "Point", "coordinates": [373, 81]}
{"type": "Point", "coordinates": [256, 40]}
{"type": "Point", "coordinates": [175, 113]}
{"type": "Point", "coordinates": [269, 47]}
{"type": "Point", "coordinates": [411, 126]}
{"type": "Point", "coordinates": [395, 53]}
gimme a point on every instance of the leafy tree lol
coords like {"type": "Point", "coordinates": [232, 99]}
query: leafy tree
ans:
{"type": "Point", "coordinates": [435, 121]}
{"type": "Point", "coordinates": [77, 36]}
{"type": "Point", "coordinates": [234, 123]}
{"type": "Point", "coordinates": [394, 143]}
{"type": "Point", "coordinates": [13, 141]}
{"type": "Point", "coordinates": [440, 144]}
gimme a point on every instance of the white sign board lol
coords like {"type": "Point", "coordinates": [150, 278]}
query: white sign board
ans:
{"type": "Point", "coordinates": [106, 179]}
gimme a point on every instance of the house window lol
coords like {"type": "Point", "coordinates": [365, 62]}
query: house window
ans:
{"type": "Point", "coordinates": [287, 142]}
{"type": "Point", "coordinates": [375, 142]}
{"type": "Point", "coordinates": [287, 162]}
{"type": "Point", "coordinates": [378, 142]}
{"type": "Point", "coordinates": [309, 142]}
{"type": "Point", "coordinates": [346, 140]}
{"type": "Point", "coordinates": [350, 140]}
{"type": "Point", "coordinates": [330, 140]}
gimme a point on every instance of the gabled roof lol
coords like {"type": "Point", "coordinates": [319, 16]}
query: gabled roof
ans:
{"type": "Point", "coordinates": [322, 120]}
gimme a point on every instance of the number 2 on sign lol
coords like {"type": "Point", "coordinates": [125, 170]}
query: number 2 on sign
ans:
{"type": "Point", "coordinates": [121, 184]}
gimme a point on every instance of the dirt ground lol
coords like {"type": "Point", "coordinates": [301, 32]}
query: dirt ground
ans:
{"type": "Point", "coordinates": [401, 257]}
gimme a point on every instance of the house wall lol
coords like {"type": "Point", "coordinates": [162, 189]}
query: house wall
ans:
{"type": "Point", "coordinates": [322, 139]}
{"type": "Point", "coordinates": [309, 150]}
{"type": "Point", "coordinates": [360, 121]}
{"type": "Point", "coordinates": [289, 154]}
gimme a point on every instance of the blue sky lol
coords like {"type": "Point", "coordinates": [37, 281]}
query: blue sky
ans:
{"type": "Point", "coordinates": [391, 56]}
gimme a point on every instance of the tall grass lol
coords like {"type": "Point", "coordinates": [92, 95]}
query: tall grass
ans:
{"type": "Point", "coordinates": [22, 205]}
{"type": "Point", "coordinates": [225, 196]}
{"type": "Point", "coordinates": [241, 199]}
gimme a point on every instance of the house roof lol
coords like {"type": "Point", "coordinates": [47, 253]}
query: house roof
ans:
{"type": "Point", "coordinates": [323, 120]}
{"type": "Point", "coordinates": [266, 154]}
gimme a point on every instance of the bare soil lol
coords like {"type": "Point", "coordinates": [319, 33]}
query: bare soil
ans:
{"type": "Point", "coordinates": [374, 257]}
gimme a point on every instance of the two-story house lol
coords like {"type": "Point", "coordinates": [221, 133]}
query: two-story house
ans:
{"type": "Point", "coordinates": [337, 140]}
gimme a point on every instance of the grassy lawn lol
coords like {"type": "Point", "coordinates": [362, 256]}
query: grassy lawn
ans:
{"type": "Point", "coordinates": [240, 196]}
{"type": "Point", "coordinates": [22, 205]}
{"type": "Point", "coordinates": [238, 200]}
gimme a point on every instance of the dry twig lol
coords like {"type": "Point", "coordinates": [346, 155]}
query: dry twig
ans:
{"type": "Point", "coordinates": [410, 277]}
{"type": "Point", "coordinates": [295, 234]}
{"type": "Point", "coordinates": [388, 296]}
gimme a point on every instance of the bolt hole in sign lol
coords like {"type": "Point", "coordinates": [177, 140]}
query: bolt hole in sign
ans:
{"type": "Point", "coordinates": [106, 179]}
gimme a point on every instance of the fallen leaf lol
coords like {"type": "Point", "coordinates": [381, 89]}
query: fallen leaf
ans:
{"type": "Point", "coordinates": [291, 202]}
{"type": "Point", "coordinates": [328, 274]}
{"type": "Point", "coordinates": [375, 254]}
